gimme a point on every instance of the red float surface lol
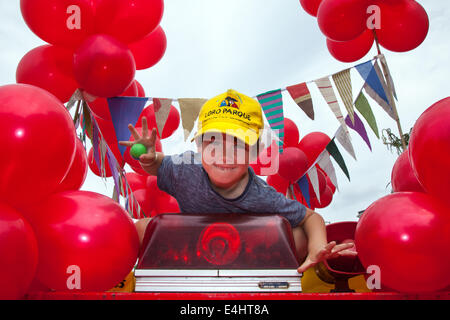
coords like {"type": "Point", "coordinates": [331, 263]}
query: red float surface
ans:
{"type": "Point", "coordinates": [235, 296]}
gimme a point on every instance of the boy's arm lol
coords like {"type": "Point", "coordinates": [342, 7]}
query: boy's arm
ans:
{"type": "Point", "coordinates": [151, 164]}
{"type": "Point", "coordinates": [318, 248]}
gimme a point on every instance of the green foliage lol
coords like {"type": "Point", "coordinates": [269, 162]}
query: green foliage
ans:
{"type": "Point", "coordinates": [393, 142]}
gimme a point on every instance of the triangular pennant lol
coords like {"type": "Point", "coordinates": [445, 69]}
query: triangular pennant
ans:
{"type": "Point", "coordinates": [388, 79]}
{"type": "Point", "coordinates": [314, 179]}
{"type": "Point", "coordinates": [363, 106]}
{"type": "Point", "coordinates": [125, 110]}
{"type": "Point", "coordinates": [87, 119]}
{"type": "Point", "coordinates": [302, 97]}
{"type": "Point", "coordinates": [326, 89]}
{"type": "Point", "coordinates": [272, 105]}
{"type": "Point", "coordinates": [337, 156]}
{"type": "Point", "coordinates": [343, 84]}
{"type": "Point", "coordinates": [162, 110]}
{"type": "Point", "coordinates": [304, 188]}
{"type": "Point", "coordinates": [189, 109]}
{"type": "Point", "coordinates": [374, 87]}
{"type": "Point", "coordinates": [95, 143]}
{"type": "Point", "coordinates": [343, 139]}
{"type": "Point", "coordinates": [358, 126]}
{"type": "Point", "coordinates": [113, 166]}
{"type": "Point", "coordinates": [103, 148]}
{"type": "Point", "coordinates": [325, 163]}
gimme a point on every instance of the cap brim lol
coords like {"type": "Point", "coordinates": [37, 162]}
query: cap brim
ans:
{"type": "Point", "coordinates": [248, 136]}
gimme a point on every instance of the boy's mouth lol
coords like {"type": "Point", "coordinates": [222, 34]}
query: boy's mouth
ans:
{"type": "Point", "coordinates": [224, 167]}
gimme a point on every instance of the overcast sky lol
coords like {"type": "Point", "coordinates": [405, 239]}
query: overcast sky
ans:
{"type": "Point", "coordinates": [255, 46]}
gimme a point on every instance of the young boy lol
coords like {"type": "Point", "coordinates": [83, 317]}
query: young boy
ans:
{"type": "Point", "coordinates": [218, 179]}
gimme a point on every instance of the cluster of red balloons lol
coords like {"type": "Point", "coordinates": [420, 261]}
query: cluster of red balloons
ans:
{"type": "Point", "coordinates": [349, 25]}
{"type": "Point", "coordinates": [287, 168]}
{"type": "Point", "coordinates": [152, 200]}
{"type": "Point", "coordinates": [406, 233]}
{"type": "Point", "coordinates": [93, 45]}
{"type": "Point", "coordinates": [50, 231]}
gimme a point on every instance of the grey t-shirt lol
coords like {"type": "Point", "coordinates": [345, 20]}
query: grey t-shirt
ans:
{"type": "Point", "coordinates": [183, 177]}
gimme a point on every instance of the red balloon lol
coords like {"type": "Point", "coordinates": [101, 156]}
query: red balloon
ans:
{"type": "Point", "coordinates": [135, 181]}
{"type": "Point", "coordinates": [103, 66]}
{"type": "Point", "coordinates": [128, 20]}
{"type": "Point", "coordinates": [311, 6]}
{"type": "Point", "coordinates": [313, 144]}
{"type": "Point", "coordinates": [172, 122]}
{"type": "Point", "coordinates": [404, 25]}
{"type": "Point", "coordinates": [146, 203]}
{"type": "Point", "coordinates": [61, 22]}
{"type": "Point", "coordinates": [38, 143]}
{"type": "Point", "coordinates": [291, 134]}
{"type": "Point", "coordinates": [405, 234]}
{"type": "Point", "coordinates": [279, 183]}
{"type": "Point", "coordinates": [19, 252]}
{"type": "Point", "coordinates": [325, 199]}
{"type": "Point", "coordinates": [50, 68]}
{"type": "Point", "coordinates": [402, 176]}
{"type": "Point", "coordinates": [94, 167]}
{"type": "Point", "coordinates": [293, 164]}
{"type": "Point", "coordinates": [141, 91]}
{"type": "Point", "coordinates": [149, 51]}
{"type": "Point", "coordinates": [342, 20]}
{"type": "Point", "coordinates": [78, 170]}
{"type": "Point", "coordinates": [429, 149]}
{"type": "Point", "coordinates": [77, 233]}
{"type": "Point", "coordinates": [353, 50]}
{"type": "Point", "coordinates": [165, 203]}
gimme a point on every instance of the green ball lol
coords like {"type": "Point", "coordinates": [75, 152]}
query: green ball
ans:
{"type": "Point", "coordinates": [137, 150]}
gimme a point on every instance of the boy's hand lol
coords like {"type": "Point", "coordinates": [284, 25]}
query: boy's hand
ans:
{"type": "Point", "coordinates": [148, 140]}
{"type": "Point", "coordinates": [329, 251]}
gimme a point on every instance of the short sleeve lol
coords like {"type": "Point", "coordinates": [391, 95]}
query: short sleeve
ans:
{"type": "Point", "coordinates": [166, 175]}
{"type": "Point", "coordinates": [171, 172]}
{"type": "Point", "coordinates": [292, 210]}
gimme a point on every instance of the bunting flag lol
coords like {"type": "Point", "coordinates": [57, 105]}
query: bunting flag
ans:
{"type": "Point", "coordinates": [326, 89]}
{"type": "Point", "coordinates": [389, 76]}
{"type": "Point", "coordinates": [272, 105]}
{"type": "Point", "coordinates": [325, 163]}
{"type": "Point", "coordinates": [374, 87]}
{"type": "Point", "coordinates": [162, 109]}
{"type": "Point", "coordinates": [380, 75]}
{"type": "Point", "coordinates": [363, 106]}
{"type": "Point", "coordinates": [301, 95]}
{"type": "Point", "coordinates": [358, 126]}
{"type": "Point", "coordinates": [335, 153]}
{"type": "Point", "coordinates": [125, 110]}
{"type": "Point", "coordinates": [304, 189]}
{"type": "Point", "coordinates": [314, 180]}
{"type": "Point", "coordinates": [95, 143]}
{"type": "Point", "coordinates": [114, 171]}
{"type": "Point", "coordinates": [190, 109]}
{"type": "Point", "coordinates": [343, 83]}
{"type": "Point", "coordinates": [343, 139]}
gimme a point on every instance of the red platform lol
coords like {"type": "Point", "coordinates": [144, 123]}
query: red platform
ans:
{"type": "Point", "coordinates": [236, 296]}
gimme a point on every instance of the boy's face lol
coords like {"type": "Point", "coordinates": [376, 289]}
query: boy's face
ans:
{"type": "Point", "coordinates": [224, 158]}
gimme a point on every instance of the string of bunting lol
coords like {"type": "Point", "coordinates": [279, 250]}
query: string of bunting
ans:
{"type": "Point", "coordinates": [125, 110]}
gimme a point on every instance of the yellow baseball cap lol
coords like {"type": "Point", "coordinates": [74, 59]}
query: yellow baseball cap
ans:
{"type": "Point", "coordinates": [232, 113]}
